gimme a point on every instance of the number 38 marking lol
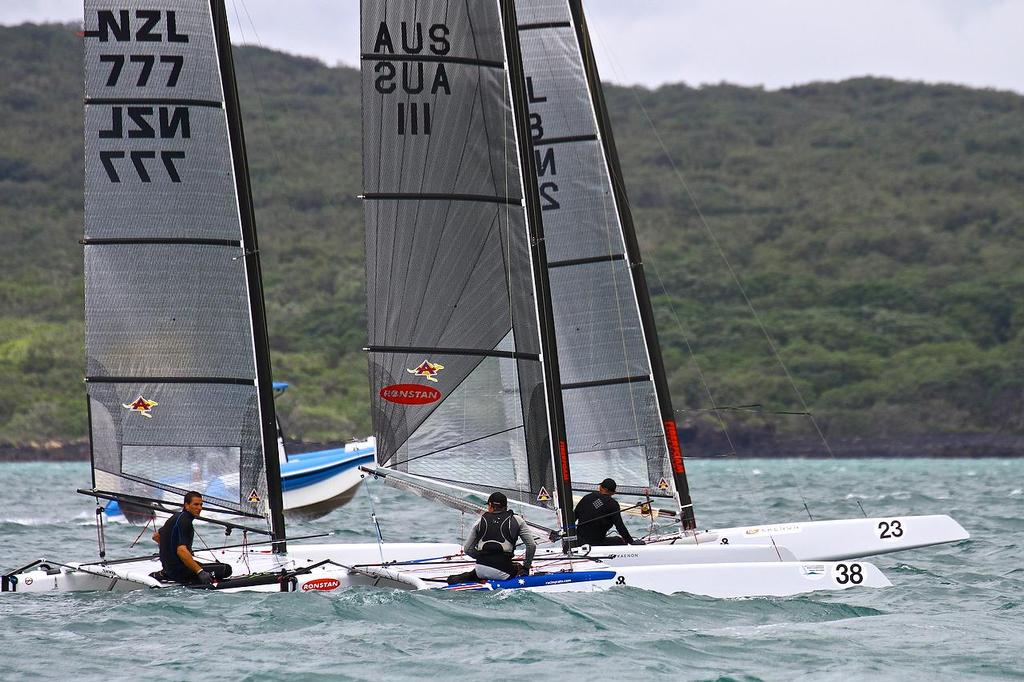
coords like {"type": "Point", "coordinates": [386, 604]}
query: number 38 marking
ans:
{"type": "Point", "coordinates": [890, 529]}
{"type": "Point", "coordinates": [849, 574]}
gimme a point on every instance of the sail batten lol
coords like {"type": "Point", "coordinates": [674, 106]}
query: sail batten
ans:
{"type": "Point", "coordinates": [213, 104]}
{"type": "Point", "coordinates": [379, 57]}
{"type": "Point", "coordinates": [421, 196]}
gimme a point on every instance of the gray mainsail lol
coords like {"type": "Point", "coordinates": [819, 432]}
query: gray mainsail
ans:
{"type": "Point", "coordinates": [454, 336]}
{"type": "Point", "coordinates": [618, 414]}
{"type": "Point", "coordinates": [177, 361]}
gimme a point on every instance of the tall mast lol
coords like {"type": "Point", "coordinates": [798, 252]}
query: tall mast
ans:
{"type": "Point", "coordinates": [552, 382]}
{"type": "Point", "coordinates": [682, 488]}
{"type": "Point", "coordinates": [264, 387]}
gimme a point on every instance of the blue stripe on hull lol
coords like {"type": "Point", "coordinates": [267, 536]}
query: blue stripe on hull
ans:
{"type": "Point", "coordinates": [302, 480]}
{"type": "Point", "coordinates": [535, 581]}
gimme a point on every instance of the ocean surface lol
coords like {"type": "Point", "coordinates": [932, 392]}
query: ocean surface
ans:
{"type": "Point", "coordinates": [953, 612]}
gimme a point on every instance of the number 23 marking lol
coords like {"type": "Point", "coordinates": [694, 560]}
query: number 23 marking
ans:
{"type": "Point", "coordinates": [890, 529]}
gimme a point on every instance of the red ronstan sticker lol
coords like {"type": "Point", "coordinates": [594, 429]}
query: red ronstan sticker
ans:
{"type": "Point", "coordinates": [427, 369]}
{"type": "Point", "coordinates": [321, 585]}
{"type": "Point", "coordinates": [142, 406]}
{"type": "Point", "coordinates": [410, 394]}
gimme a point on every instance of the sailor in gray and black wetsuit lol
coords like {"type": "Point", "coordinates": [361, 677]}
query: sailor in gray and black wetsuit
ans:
{"type": "Point", "coordinates": [492, 542]}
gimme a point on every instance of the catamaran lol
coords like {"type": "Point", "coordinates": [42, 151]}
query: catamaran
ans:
{"type": "Point", "coordinates": [511, 341]}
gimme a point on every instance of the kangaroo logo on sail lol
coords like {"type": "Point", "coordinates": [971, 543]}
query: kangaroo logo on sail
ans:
{"type": "Point", "coordinates": [427, 369]}
{"type": "Point", "coordinates": [417, 77]}
{"type": "Point", "coordinates": [544, 155]}
{"type": "Point", "coordinates": [142, 406]}
{"type": "Point", "coordinates": [143, 75]}
{"type": "Point", "coordinates": [410, 394]}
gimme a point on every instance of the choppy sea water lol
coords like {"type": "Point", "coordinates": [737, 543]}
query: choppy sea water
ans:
{"type": "Point", "coordinates": [954, 612]}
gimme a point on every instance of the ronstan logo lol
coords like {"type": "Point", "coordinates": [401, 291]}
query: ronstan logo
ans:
{"type": "Point", "coordinates": [410, 394]}
{"type": "Point", "coordinates": [142, 406]}
{"type": "Point", "coordinates": [321, 585]}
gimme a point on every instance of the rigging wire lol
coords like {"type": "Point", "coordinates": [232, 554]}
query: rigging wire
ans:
{"type": "Point", "coordinates": [101, 536]}
{"type": "Point", "coordinates": [736, 280]}
{"type": "Point", "coordinates": [152, 520]}
{"type": "Point", "coordinates": [373, 517]}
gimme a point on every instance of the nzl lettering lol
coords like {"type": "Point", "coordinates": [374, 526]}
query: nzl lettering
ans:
{"type": "Point", "coordinates": [142, 70]}
{"type": "Point", "coordinates": [150, 26]}
{"type": "Point", "coordinates": [544, 160]}
{"type": "Point", "coordinates": [417, 77]}
{"type": "Point", "coordinates": [145, 122]}
{"type": "Point", "coordinates": [148, 122]}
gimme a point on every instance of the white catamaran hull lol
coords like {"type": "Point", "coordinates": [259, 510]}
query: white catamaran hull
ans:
{"type": "Point", "coordinates": [715, 571]}
{"type": "Point", "coordinates": [846, 538]}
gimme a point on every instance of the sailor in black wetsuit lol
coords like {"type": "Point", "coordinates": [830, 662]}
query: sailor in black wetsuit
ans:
{"type": "Point", "coordinates": [596, 513]}
{"type": "Point", "coordinates": [175, 540]}
{"type": "Point", "coordinates": [492, 542]}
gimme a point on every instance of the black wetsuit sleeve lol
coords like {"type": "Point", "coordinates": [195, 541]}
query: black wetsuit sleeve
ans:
{"type": "Point", "coordinates": [619, 525]}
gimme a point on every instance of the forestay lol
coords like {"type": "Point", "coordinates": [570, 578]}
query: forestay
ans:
{"type": "Point", "coordinates": [177, 366]}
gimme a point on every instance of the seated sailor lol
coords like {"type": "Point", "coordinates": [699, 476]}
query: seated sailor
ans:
{"type": "Point", "coordinates": [492, 542]}
{"type": "Point", "coordinates": [175, 540]}
{"type": "Point", "coordinates": [596, 513]}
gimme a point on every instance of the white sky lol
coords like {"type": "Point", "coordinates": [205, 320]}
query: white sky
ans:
{"type": "Point", "coordinates": [774, 43]}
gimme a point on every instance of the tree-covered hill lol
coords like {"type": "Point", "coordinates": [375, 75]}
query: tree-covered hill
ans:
{"type": "Point", "coordinates": [875, 227]}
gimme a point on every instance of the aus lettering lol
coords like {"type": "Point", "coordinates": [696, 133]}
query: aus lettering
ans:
{"type": "Point", "coordinates": [142, 25]}
{"type": "Point", "coordinates": [413, 79]}
{"type": "Point", "coordinates": [412, 39]}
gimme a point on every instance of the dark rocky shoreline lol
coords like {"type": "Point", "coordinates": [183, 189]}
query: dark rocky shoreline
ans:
{"type": "Point", "coordinates": [695, 446]}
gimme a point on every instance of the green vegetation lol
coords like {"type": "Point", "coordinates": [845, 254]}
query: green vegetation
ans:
{"type": "Point", "coordinates": [876, 226]}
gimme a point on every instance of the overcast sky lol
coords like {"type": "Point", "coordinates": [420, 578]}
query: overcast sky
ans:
{"type": "Point", "coordinates": [774, 43]}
